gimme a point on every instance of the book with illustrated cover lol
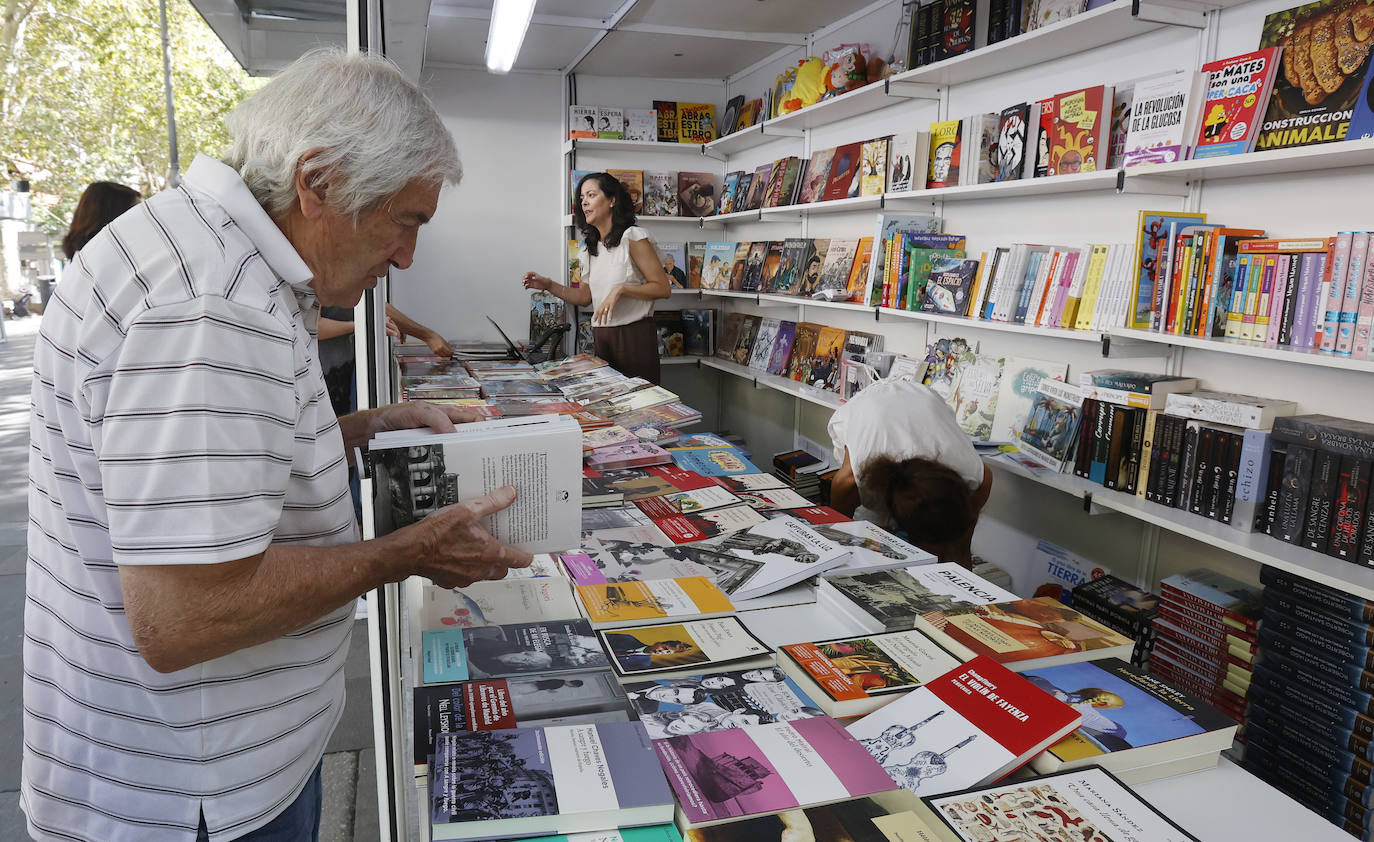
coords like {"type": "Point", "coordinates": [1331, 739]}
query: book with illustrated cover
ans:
{"type": "Point", "coordinates": [839, 260]}
{"type": "Point", "coordinates": [974, 396]}
{"type": "Point", "coordinates": [858, 272]}
{"type": "Point", "coordinates": [728, 191]}
{"type": "Point", "coordinates": [714, 461]}
{"type": "Point", "coordinates": [641, 124]}
{"type": "Point", "coordinates": [1051, 427]}
{"type": "Point", "coordinates": [744, 342]}
{"type": "Point", "coordinates": [825, 362]}
{"type": "Point", "coordinates": [772, 262]}
{"type": "Point", "coordinates": [660, 193]}
{"type": "Point", "coordinates": [1238, 91]}
{"type": "Point", "coordinates": [490, 603]}
{"type": "Point", "coordinates": [617, 604]}
{"type": "Point", "coordinates": [773, 499]}
{"type": "Point", "coordinates": [696, 193]}
{"type": "Point", "coordinates": [687, 527]}
{"type": "Point", "coordinates": [1097, 806]}
{"type": "Point", "coordinates": [763, 343]}
{"type": "Point", "coordinates": [888, 600]}
{"type": "Point", "coordinates": [1131, 720]}
{"type": "Point", "coordinates": [810, 278]}
{"type": "Point", "coordinates": [1078, 125]}
{"type": "Point", "coordinates": [803, 347]}
{"type": "Point", "coordinates": [717, 260]}
{"type": "Point", "coordinates": [696, 122]}
{"type": "Point", "coordinates": [667, 120]}
{"type": "Point", "coordinates": [794, 254]}
{"type": "Point", "coordinates": [980, 148]}
{"type": "Point", "coordinates": [782, 349]}
{"type": "Point", "coordinates": [772, 189]}
{"type": "Point", "coordinates": [906, 157]}
{"type": "Point", "coordinates": [500, 703]}
{"type": "Point", "coordinates": [753, 266]}
{"type": "Point", "coordinates": [748, 483]}
{"type": "Point", "coordinates": [739, 197]}
{"type": "Point", "coordinates": [1024, 633]}
{"type": "Point", "coordinates": [715, 701]}
{"type": "Point", "coordinates": [871, 547]}
{"type": "Point", "coordinates": [816, 177]}
{"type": "Point", "coordinates": [788, 549]}
{"type": "Point", "coordinates": [634, 183]}
{"type": "Point", "coordinates": [581, 121]}
{"type": "Point", "coordinates": [675, 266]}
{"type": "Point", "coordinates": [853, 676]}
{"type": "Point", "coordinates": [668, 325]}
{"type": "Point", "coordinates": [758, 770]}
{"type": "Point", "coordinates": [1162, 122]}
{"type": "Point", "coordinates": [1322, 71]}
{"type": "Point", "coordinates": [951, 281]}
{"type": "Point", "coordinates": [634, 455]}
{"type": "Point", "coordinates": [419, 471]}
{"type": "Point", "coordinates": [698, 332]}
{"type": "Point", "coordinates": [729, 119]}
{"type": "Point", "coordinates": [758, 188]}
{"type": "Point", "coordinates": [513, 649]}
{"type": "Point", "coordinates": [587, 777]}
{"type": "Point", "coordinates": [610, 123]}
{"type": "Point", "coordinates": [685, 648]}
{"type": "Point", "coordinates": [946, 152]}
{"type": "Point", "coordinates": [630, 560]}
{"type": "Point", "coordinates": [738, 264]}
{"type": "Point", "coordinates": [843, 181]}
{"type": "Point", "coordinates": [969, 726]}
{"type": "Point", "coordinates": [873, 167]}
{"type": "Point", "coordinates": [1016, 393]}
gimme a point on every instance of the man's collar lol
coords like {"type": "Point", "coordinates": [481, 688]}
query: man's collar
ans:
{"type": "Point", "coordinates": [220, 182]}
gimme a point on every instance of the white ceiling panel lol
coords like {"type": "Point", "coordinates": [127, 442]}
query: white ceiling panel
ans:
{"type": "Point", "coordinates": [577, 8]}
{"type": "Point", "coordinates": [672, 56]}
{"type": "Point", "coordinates": [799, 16]}
{"type": "Point", "coordinates": [464, 41]}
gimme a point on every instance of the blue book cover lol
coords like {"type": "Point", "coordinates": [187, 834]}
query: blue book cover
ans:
{"type": "Point", "coordinates": [1362, 115]}
{"type": "Point", "coordinates": [1027, 286]}
{"type": "Point", "coordinates": [714, 461]}
{"type": "Point", "coordinates": [444, 656]}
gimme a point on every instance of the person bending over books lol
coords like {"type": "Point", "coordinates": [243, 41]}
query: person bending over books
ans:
{"type": "Point", "coordinates": [906, 463]}
{"type": "Point", "coordinates": [623, 277]}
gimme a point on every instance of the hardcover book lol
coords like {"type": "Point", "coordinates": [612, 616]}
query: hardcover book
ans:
{"type": "Point", "coordinates": [839, 259]}
{"type": "Point", "coordinates": [696, 193]}
{"type": "Point", "coordinates": [634, 183]}
{"type": "Point", "coordinates": [816, 177]}
{"type": "Point", "coordinates": [717, 701]}
{"type": "Point", "coordinates": [853, 676]}
{"type": "Point", "coordinates": [794, 254]}
{"type": "Point", "coordinates": [696, 123]}
{"type": "Point", "coordinates": [763, 769]}
{"type": "Point", "coordinates": [564, 779]}
{"type": "Point", "coordinates": [660, 194]}
{"type": "Point", "coordinates": [763, 343]}
{"type": "Point", "coordinates": [843, 182]}
{"type": "Point", "coordinates": [967, 727]}
{"type": "Point", "coordinates": [717, 261]}
{"type": "Point", "coordinates": [782, 349]}
{"type": "Point", "coordinates": [1024, 633]}
{"type": "Point", "coordinates": [687, 648]}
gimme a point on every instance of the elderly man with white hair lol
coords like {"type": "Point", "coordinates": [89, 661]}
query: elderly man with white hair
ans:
{"type": "Point", "coordinates": [193, 554]}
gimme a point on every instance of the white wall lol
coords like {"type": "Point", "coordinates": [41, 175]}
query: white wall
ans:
{"type": "Point", "coordinates": [504, 218]}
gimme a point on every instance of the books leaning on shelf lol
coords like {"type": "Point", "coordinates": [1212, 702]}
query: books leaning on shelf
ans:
{"type": "Point", "coordinates": [970, 726]}
{"type": "Point", "coordinates": [539, 781]}
{"type": "Point", "coordinates": [854, 676]}
{"type": "Point", "coordinates": [417, 472]}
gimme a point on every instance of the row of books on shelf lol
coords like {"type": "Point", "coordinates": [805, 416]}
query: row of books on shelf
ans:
{"type": "Point", "coordinates": [947, 28]}
{"type": "Point", "coordinates": [667, 122]}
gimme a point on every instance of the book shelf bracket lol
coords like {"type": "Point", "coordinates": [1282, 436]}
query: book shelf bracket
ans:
{"type": "Point", "coordinates": [911, 89]}
{"type": "Point", "coordinates": [1155, 11]}
{"type": "Point", "coordinates": [1122, 347]}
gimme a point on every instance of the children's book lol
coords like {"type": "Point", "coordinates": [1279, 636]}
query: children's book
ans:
{"type": "Point", "coordinates": [969, 726]}
{"type": "Point", "coordinates": [1237, 93]}
{"type": "Point", "coordinates": [696, 122]}
{"type": "Point", "coordinates": [873, 167]}
{"type": "Point", "coordinates": [974, 396]}
{"type": "Point", "coordinates": [853, 676]}
{"type": "Point", "coordinates": [1050, 431]}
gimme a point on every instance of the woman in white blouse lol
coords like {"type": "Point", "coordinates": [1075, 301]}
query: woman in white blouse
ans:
{"type": "Point", "coordinates": [623, 276]}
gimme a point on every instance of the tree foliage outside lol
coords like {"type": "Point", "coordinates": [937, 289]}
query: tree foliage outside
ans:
{"type": "Point", "coordinates": [82, 97]}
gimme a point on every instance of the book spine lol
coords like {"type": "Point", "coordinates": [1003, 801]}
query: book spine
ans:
{"type": "Point", "coordinates": [1252, 469]}
{"type": "Point", "coordinates": [1334, 668]}
{"type": "Point", "coordinates": [1193, 602]}
{"type": "Point", "coordinates": [1317, 638]}
{"type": "Point", "coordinates": [1174, 465]}
{"type": "Point", "coordinates": [1321, 497]}
{"type": "Point", "coordinates": [1082, 459]}
{"type": "Point", "coordinates": [1317, 596]}
{"type": "Point", "coordinates": [1134, 458]}
{"type": "Point", "coordinates": [1290, 299]}
{"type": "Point", "coordinates": [1267, 518]}
{"type": "Point", "coordinates": [1350, 297]}
{"type": "Point", "coordinates": [1352, 496]}
{"type": "Point", "coordinates": [1187, 465]}
{"type": "Point", "coordinates": [1277, 672]}
{"type": "Point", "coordinates": [1330, 624]}
{"type": "Point", "coordinates": [1112, 473]}
{"type": "Point", "coordinates": [1147, 455]}
{"type": "Point", "coordinates": [1297, 474]}
{"type": "Point", "coordinates": [1364, 319]}
{"type": "Point", "coordinates": [1102, 432]}
{"type": "Point", "coordinates": [1235, 444]}
{"type": "Point", "coordinates": [1204, 456]}
{"type": "Point", "coordinates": [1334, 287]}
{"type": "Point", "coordinates": [1312, 267]}
{"type": "Point", "coordinates": [1365, 556]}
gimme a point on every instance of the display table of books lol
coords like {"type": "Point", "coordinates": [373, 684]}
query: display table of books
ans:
{"type": "Point", "coordinates": [699, 652]}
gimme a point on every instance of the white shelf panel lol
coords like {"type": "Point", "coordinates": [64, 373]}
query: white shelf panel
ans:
{"type": "Point", "coordinates": [1265, 549]}
{"type": "Point", "coordinates": [677, 291]}
{"type": "Point", "coordinates": [737, 216]}
{"type": "Point", "coordinates": [984, 324]}
{"type": "Point", "coordinates": [723, 147]}
{"type": "Point", "coordinates": [801, 301]}
{"type": "Point", "coordinates": [790, 213]}
{"type": "Point", "coordinates": [761, 379]}
{"type": "Point", "coordinates": [870, 97]}
{"type": "Point", "coordinates": [727, 293]}
{"type": "Point", "coordinates": [678, 360]}
{"type": "Point", "coordinates": [1327, 156]}
{"type": "Point", "coordinates": [1298, 356]}
{"type": "Point", "coordinates": [1090, 182]}
{"type": "Point", "coordinates": [576, 143]}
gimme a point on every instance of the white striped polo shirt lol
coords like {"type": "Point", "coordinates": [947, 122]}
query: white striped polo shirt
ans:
{"type": "Point", "coordinates": [179, 417]}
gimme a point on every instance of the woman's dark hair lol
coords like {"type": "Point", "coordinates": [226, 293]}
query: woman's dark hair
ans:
{"type": "Point", "coordinates": [929, 501]}
{"type": "Point", "coordinates": [622, 210]}
{"type": "Point", "coordinates": [102, 202]}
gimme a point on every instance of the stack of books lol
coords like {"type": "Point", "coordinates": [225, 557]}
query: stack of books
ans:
{"type": "Point", "coordinates": [1121, 606]}
{"type": "Point", "coordinates": [1205, 637]}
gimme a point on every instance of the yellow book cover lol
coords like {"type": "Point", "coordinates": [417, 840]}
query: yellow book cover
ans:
{"type": "Point", "coordinates": [624, 603]}
{"type": "Point", "coordinates": [1091, 285]}
{"type": "Point", "coordinates": [945, 154]}
{"type": "Point", "coordinates": [696, 122]}
{"type": "Point", "coordinates": [981, 278]}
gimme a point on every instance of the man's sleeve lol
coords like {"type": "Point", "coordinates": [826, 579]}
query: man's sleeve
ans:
{"type": "Point", "coordinates": [197, 440]}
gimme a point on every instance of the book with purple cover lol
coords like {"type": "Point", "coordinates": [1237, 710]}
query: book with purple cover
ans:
{"type": "Point", "coordinates": [764, 769]}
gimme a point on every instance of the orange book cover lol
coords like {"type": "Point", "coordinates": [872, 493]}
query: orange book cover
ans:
{"type": "Point", "coordinates": [858, 274]}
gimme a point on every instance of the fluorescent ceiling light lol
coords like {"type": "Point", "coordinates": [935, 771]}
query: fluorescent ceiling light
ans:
{"type": "Point", "coordinates": [509, 20]}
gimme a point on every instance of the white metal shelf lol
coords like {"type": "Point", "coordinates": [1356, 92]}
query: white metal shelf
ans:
{"type": "Point", "coordinates": [683, 360]}
{"type": "Point", "coordinates": [1259, 547]}
{"type": "Point", "coordinates": [807, 301]}
{"type": "Point", "coordinates": [764, 380]}
{"type": "Point", "coordinates": [1286, 354]}
{"type": "Point", "coordinates": [1303, 159]}
{"type": "Point", "coordinates": [723, 147]}
{"type": "Point", "coordinates": [1092, 182]}
{"type": "Point", "coordinates": [573, 144]}
{"type": "Point", "coordinates": [985, 324]}
{"type": "Point", "coordinates": [788, 213]}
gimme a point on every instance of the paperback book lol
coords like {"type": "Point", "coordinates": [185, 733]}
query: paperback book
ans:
{"type": "Point", "coordinates": [488, 603]}
{"type": "Point", "coordinates": [545, 647]}
{"type": "Point", "coordinates": [853, 676]}
{"type": "Point", "coordinates": [717, 701]}
{"type": "Point", "coordinates": [688, 648]}
{"type": "Point", "coordinates": [889, 600]}
{"type": "Point", "coordinates": [1024, 633]}
{"type": "Point", "coordinates": [617, 604]}
{"type": "Point", "coordinates": [787, 551]}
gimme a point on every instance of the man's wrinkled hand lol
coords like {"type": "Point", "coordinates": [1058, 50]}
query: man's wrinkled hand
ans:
{"type": "Point", "coordinates": [455, 549]}
{"type": "Point", "coordinates": [415, 414]}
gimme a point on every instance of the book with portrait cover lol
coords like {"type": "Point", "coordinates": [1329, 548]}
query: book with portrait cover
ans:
{"type": "Point", "coordinates": [888, 600]}
{"type": "Point", "coordinates": [906, 157]}
{"type": "Point", "coordinates": [843, 181]}
{"type": "Point", "coordinates": [970, 726]}
{"type": "Point", "coordinates": [1088, 803]}
{"type": "Point", "coordinates": [586, 777]}
{"type": "Point", "coordinates": [853, 676]}
{"type": "Point", "coordinates": [610, 123]}
{"type": "Point", "coordinates": [511, 649]}
{"type": "Point", "coordinates": [1077, 125]}
{"type": "Point", "coordinates": [1130, 720]}
{"type": "Point", "coordinates": [581, 121]}
{"type": "Point", "coordinates": [759, 770]}
{"type": "Point", "coordinates": [500, 703]}
{"type": "Point", "coordinates": [660, 194]}
{"type": "Point", "coordinates": [696, 193]}
{"type": "Point", "coordinates": [717, 260]}
{"type": "Point", "coordinates": [667, 120]}
{"type": "Point", "coordinates": [1024, 633]}
{"type": "Point", "coordinates": [685, 648]}
{"type": "Point", "coordinates": [946, 152]}
{"type": "Point", "coordinates": [811, 267]}
{"type": "Point", "coordinates": [715, 701]}
{"type": "Point", "coordinates": [1322, 71]}
{"type": "Point", "coordinates": [696, 122]}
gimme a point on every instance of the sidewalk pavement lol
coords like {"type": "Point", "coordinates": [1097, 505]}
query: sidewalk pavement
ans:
{"type": "Point", "coordinates": [350, 773]}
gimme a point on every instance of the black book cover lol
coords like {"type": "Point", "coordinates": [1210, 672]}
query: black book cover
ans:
{"type": "Point", "coordinates": [1352, 496]}
{"type": "Point", "coordinates": [997, 21]}
{"type": "Point", "coordinates": [1173, 464]}
{"type": "Point", "coordinates": [1289, 678]}
{"type": "Point", "coordinates": [1319, 706]}
{"type": "Point", "coordinates": [1297, 473]}
{"type": "Point", "coordinates": [1366, 539]}
{"type": "Point", "coordinates": [1321, 498]}
{"type": "Point", "coordinates": [1318, 739]}
{"type": "Point", "coordinates": [1204, 453]}
{"type": "Point", "coordinates": [1086, 430]}
{"type": "Point", "coordinates": [1318, 639]}
{"type": "Point", "coordinates": [1158, 459]}
{"type": "Point", "coordinates": [957, 25]}
{"type": "Point", "coordinates": [1335, 669]}
{"type": "Point", "coordinates": [1273, 487]}
{"type": "Point", "coordinates": [1317, 596]}
{"type": "Point", "coordinates": [1235, 443]}
{"type": "Point", "coordinates": [1114, 446]}
{"type": "Point", "coordinates": [1131, 467]}
{"type": "Point", "coordinates": [935, 42]}
{"type": "Point", "coordinates": [1334, 626]}
{"type": "Point", "coordinates": [1216, 471]}
{"type": "Point", "coordinates": [1187, 464]}
{"type": "Point", "coordinates": [1324, 432]}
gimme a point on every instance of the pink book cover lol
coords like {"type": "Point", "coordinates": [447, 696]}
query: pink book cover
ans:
{"type": "Point", "coordinates": [1364, 322]}
{"type": "Point", "coordinates": [1276, 301]}
{"type": "Point", "coordinates": [628, 456]}
{"type": "Point", "coordinates": [1350, 298]}
{"type": "Point", "coordinates": [1329, 311]}
{"type": "Point", "coordinates": [764, 769]}
{"type": "Point", "coordinates": [582, 569]}
{"type": "Point", "coordinates": [1050, 317]}
{"type": "Point", "coordinates": [1260, 332]}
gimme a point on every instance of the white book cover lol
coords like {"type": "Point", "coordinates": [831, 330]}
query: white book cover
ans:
{"type": "Point", "coordinates": [420, 473]}
{"type": "Point", "coordinates": [980, 149]}
{"type": "Point", "coordinates": [701, 499]}
{"type": "Point", "coordinates": [624, 524]}
{"type": "Point", "coordinates": [497, 602]}
{"type": "Point", "coordinates": [903, 158]}
{"type": "Point", "coordinates": [545, 565]}
{"type": "Point", "coordinates": [610, 123]}
{"type": "Point", "coordinates": [1161, 123]}
{"type": "Point", "coordinates": [871, 547]}
{"type": "Point", "coordinates": [774, 499]}
{"type": "Point", "coordinates": [1228, 408]}
{"type": "Point", "coordinates": [1080, 276]}
{"type": "Point", "coordinates": [1016, 391]}
{"type": "Point", "coordinates": [763, 343]}
{"type": "Point", "coordinates": [788, 551]}
{"type": "Point", "coordinates": [641, 124]}
{"type": "Point", "coordinates": [582, 121]}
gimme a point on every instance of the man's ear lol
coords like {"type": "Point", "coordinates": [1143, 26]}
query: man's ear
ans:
{"type": "Point", "coordinates": [311, 189]}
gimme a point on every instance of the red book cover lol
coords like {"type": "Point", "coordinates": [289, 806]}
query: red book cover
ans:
{"type": "Point", "coordinates": [844, 173]}
{"type": "Point", "coordinates": [1237, 94]}
{"type": "Point", "coordinates": [1077, 134]}
{"type": "Point", "coordinates": [487, 705]}
{"type": "Point", "coordinates": [819, 514]}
